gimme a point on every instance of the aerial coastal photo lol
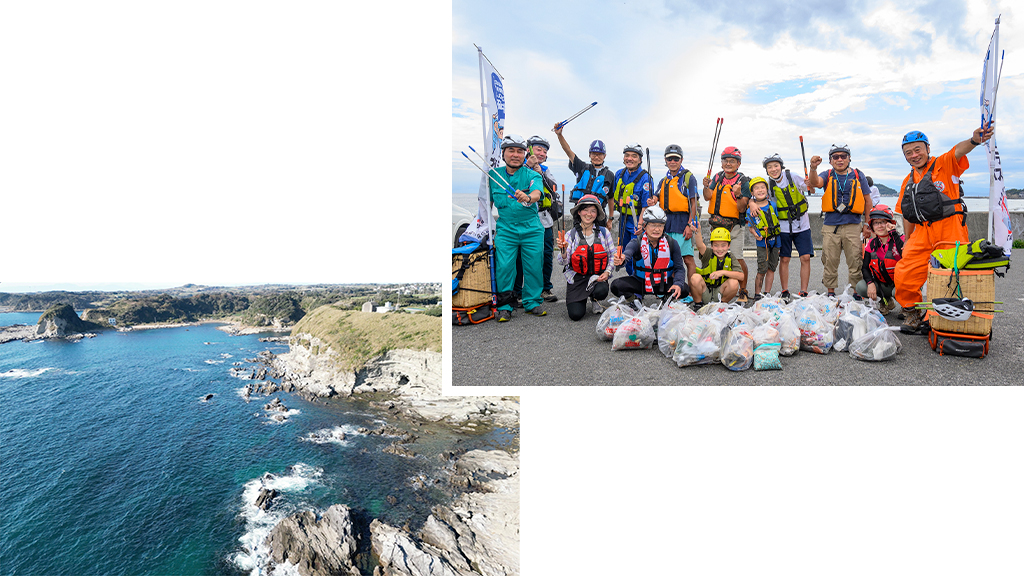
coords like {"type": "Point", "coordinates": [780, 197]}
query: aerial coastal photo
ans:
{"type": "Point", "coordinates": [222, 312]}
{"type": "Point", "coordinates": [273, 429]}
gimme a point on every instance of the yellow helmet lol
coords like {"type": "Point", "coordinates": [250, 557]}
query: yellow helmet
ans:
{"type": "Point", "coordinates": [721, 235]}
{"type": "Point", "coordinates": [759, 180]}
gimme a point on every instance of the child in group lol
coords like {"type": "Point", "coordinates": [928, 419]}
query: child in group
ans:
{"type": "Point", "coordinates": [789, 192]}
{"type": "Point", "coordinates": [727, 194]}
{"type": "Point", "coordinates": [881, 253]}
{"type": "Point", "coordinates": [718, 277]}
{"type": "Point", "coordinates": [764, 225]}
{"type": "Point", "coordinates": [657, 261]}
{"type": "Point", "coordinates": [585, 254]}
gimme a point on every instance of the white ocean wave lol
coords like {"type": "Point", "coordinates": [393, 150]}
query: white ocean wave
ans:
{"type": "Point", "coordinates": [286, 413]}
{"type": "Point", "coordinates": [337, 435]}
{"type": "Point", "coordinates": [255, 555]}
{"type": "Point", "coordinates": [21, 373]}
{"type": "Point", "coordinates": [226, 355]}
{"type": "Point", "coordinates": [214, 361]}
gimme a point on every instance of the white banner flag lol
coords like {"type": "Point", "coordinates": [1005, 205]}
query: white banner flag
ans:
{"type": "Point", "coordinates": [492, 94]}
{"type": "Point", "coordinates": [1000, 230]}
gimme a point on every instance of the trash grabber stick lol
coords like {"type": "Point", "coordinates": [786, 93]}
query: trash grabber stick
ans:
{"type": "Point", "coordinates": [561, 219]}
{"type": "Point", "coordinates": [574, 116]}
{"type": "Point", "coordinates": [484, 161]}
{"type": "Point", "coordinates": [804, 154]}
{"type": "Point", "coordinates": [504, 186]}
{"type": "Point", "coordinates": [714, 144]}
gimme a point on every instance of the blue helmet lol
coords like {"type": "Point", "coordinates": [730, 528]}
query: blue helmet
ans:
{"type": "Point", "coordinates": [598, 146]}
{"type": "Point", "coordinates": [915, 136]}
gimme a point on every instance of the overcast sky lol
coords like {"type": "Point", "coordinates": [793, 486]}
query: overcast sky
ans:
{"type": "Point", "coordinates": [860, 73]}
{"type": "Point", "coordinates": [151, 144]}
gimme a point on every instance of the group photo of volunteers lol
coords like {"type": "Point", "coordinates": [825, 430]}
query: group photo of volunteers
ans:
{"type": "Point", "coordinates": [736, 240]}
{"type": "Point", "coordinates": [661, 258]}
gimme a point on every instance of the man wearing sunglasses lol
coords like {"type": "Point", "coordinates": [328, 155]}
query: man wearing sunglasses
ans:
{"type": "Point", "coordinates": [845, 201]}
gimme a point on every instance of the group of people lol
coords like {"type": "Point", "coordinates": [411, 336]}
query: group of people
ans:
{"type": "Point", "coordinates": [623, 219]}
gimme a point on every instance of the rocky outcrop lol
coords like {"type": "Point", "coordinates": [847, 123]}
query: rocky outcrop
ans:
{"type": "Point", "coordinates": [61, 321]}
{"type": "Point", "coordinates": [323, 545]}
{"type": "Point", "coordinates": [413, 377]}
{"type": "Point", "coordinates": [476, 535]}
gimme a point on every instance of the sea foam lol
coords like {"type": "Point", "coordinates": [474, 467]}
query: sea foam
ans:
{"type": "Point", "coordinates": [337, 435]}
{"type": "Point", "coordinates": [255, 554]}
{"type": "Point", "coordinates": [20, 373]}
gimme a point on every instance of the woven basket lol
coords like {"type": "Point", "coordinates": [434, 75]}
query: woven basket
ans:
{"type": "Point", "coordinates": [475, 285]}
{"type": "Point", "coordinates": [978, 285]}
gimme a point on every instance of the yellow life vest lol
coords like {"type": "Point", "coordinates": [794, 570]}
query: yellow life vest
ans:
{"type": "Point", "coordinates": [830, 200]}
{"type": "Point", "coordinates": [671, 198]}
{"type": "Point", "coordinates": [790, 202]}
{"type": "Point", "coordinates": [622, 198]}
{"type": "Point", "coordinates": [716, 264]}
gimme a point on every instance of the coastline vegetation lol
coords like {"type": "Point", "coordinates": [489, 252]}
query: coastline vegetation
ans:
{"type": "Point", "coordinates": [265, 305]}
{"type": "Point", "coordinates": [358, 337]}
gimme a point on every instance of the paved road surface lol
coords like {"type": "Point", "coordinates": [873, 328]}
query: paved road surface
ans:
{"type": "Point", "coordinates": [554, 350]}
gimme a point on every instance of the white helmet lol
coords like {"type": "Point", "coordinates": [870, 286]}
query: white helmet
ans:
{"type": "Point", "coordinates": [654, 215]}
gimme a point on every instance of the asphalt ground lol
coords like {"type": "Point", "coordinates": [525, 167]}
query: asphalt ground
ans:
{"type": "Point", "coordinates": [555, 351]}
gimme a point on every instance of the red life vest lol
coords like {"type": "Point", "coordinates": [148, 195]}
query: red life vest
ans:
{"type": "Point", "coordinates": [655, 267]}
{"type": "Point", "coordinates": [882, 259]}
{"type": "Point", "coordinates": [588, 259]}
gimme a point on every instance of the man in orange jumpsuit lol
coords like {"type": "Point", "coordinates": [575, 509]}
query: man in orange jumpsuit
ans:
{"type": "Point", "coordinates": [933, 212]}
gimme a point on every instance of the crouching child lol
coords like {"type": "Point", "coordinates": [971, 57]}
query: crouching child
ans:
{"type": "Point", "coordinates": [718, 276]}
{"type": "Point", "coordinates": [881, 253]}
{"type": "Point", "coordinates": [658, 266]}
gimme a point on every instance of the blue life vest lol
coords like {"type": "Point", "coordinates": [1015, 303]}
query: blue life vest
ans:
{"type": "Point", "coordinates": [590, 182]}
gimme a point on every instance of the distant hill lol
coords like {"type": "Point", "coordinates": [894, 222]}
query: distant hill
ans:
{"type": "Point", "coordinates": [885, 190]}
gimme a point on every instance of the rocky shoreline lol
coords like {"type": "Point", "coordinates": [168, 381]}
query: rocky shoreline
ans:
{"type": "Point", "coordinates": [477, 533]}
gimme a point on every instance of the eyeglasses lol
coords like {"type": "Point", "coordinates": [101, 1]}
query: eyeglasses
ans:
{"type": "Point", "coordinates": [673, 159]}
{"type": "Point", "coordinates": [840, 156]}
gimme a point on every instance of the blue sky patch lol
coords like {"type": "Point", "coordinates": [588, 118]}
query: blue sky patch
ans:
{"type": "Point", "coordinates": [772, 92]}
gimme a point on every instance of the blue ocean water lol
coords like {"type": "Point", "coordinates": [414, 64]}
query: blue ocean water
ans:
{"type": "Point", "coordinates": [114, 464]}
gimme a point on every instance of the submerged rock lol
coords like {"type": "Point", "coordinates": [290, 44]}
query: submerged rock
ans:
{"type": "Point", "coordinates": [266, 498]}
{"type": "Point", "coordinates": [323, 545]}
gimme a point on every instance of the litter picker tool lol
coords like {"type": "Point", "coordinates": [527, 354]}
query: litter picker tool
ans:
{"type": "Point", "coordinates": [714, 145]}
{"type": "Point", "coordinates": [561, 220]}
{"type": "Point", "coordinates": [503, 184]}
{"type": "Point", "coordinates": [574, 116]}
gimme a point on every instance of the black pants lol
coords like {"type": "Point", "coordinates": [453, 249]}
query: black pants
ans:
{"type": "Point", "coordinates": [635, 285]}
{"type": "Point", "coordinates": [576, 296]}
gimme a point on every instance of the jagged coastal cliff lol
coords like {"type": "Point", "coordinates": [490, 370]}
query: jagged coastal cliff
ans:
{"type": "Point", "coordinates": [335, 353]}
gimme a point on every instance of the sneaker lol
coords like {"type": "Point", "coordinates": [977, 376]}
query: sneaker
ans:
{"type": "Point", "coordinates": [858, 297]}
{"type": "Point", "coordinates": [597, 308]}
{"type": "Point", "coordinates": [548, 296]}
{"type": "Point", "coordinates": [518, 303]}
{"type": "Point", "coordinates": [802, 294]}
{"type": "Point", "coordinates": [537, 311]}
{"type": "Point", "coordinates": [743, 296]}
{"type": "Point", "coordinates": [832, 295]}
{"type": "Point", "coordinates": [503, 315]}
{"type": "Point", "coordinates": [758, 297]}
{"type": "Point", "coordinates": [785, 295]}
{"type": "Point", "coordinates": [886, 307]}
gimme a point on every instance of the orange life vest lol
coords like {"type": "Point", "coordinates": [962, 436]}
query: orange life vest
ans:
{"type": "Point", "coordinates": [830, 200]}
{"type": "Point", "coordinates": [723, 204]}
{"type": "Point", "coordinates": [672, 199]}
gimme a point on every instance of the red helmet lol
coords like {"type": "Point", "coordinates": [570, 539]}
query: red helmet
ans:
{"type": "Point", "coordinates": [881, 212]}
{"type": "Point", "coordinates": [732, 152]}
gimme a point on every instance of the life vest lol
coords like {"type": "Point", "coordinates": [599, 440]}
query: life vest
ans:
{"type": "Point", "coordinates": [671, 197]}
{"type": "Point", "coordinates": [723, 203]}
{"type": "Point", "coordinates": [623, 199]}
{"type": "Point", "coordinates": [790, 202]}
{"type": "Point", "coordinates": [548, 189]}
{"type": "Point", "coordinates": [590, 182]}
{"type": "Point", "coordinates": [923, 202]}
{"type": "Point", "coordinates": [830, 199]}
{"type": "Point", "coordinates": [588, 259]}
{"type": "Point", "coordinates": [655, 269]}
{"type": "Point", "coordinates": [714, 264]}
{"type": "Point", "coordinates": [767, 228]}
{"type": "Point", "coordinates": [882, 259]}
